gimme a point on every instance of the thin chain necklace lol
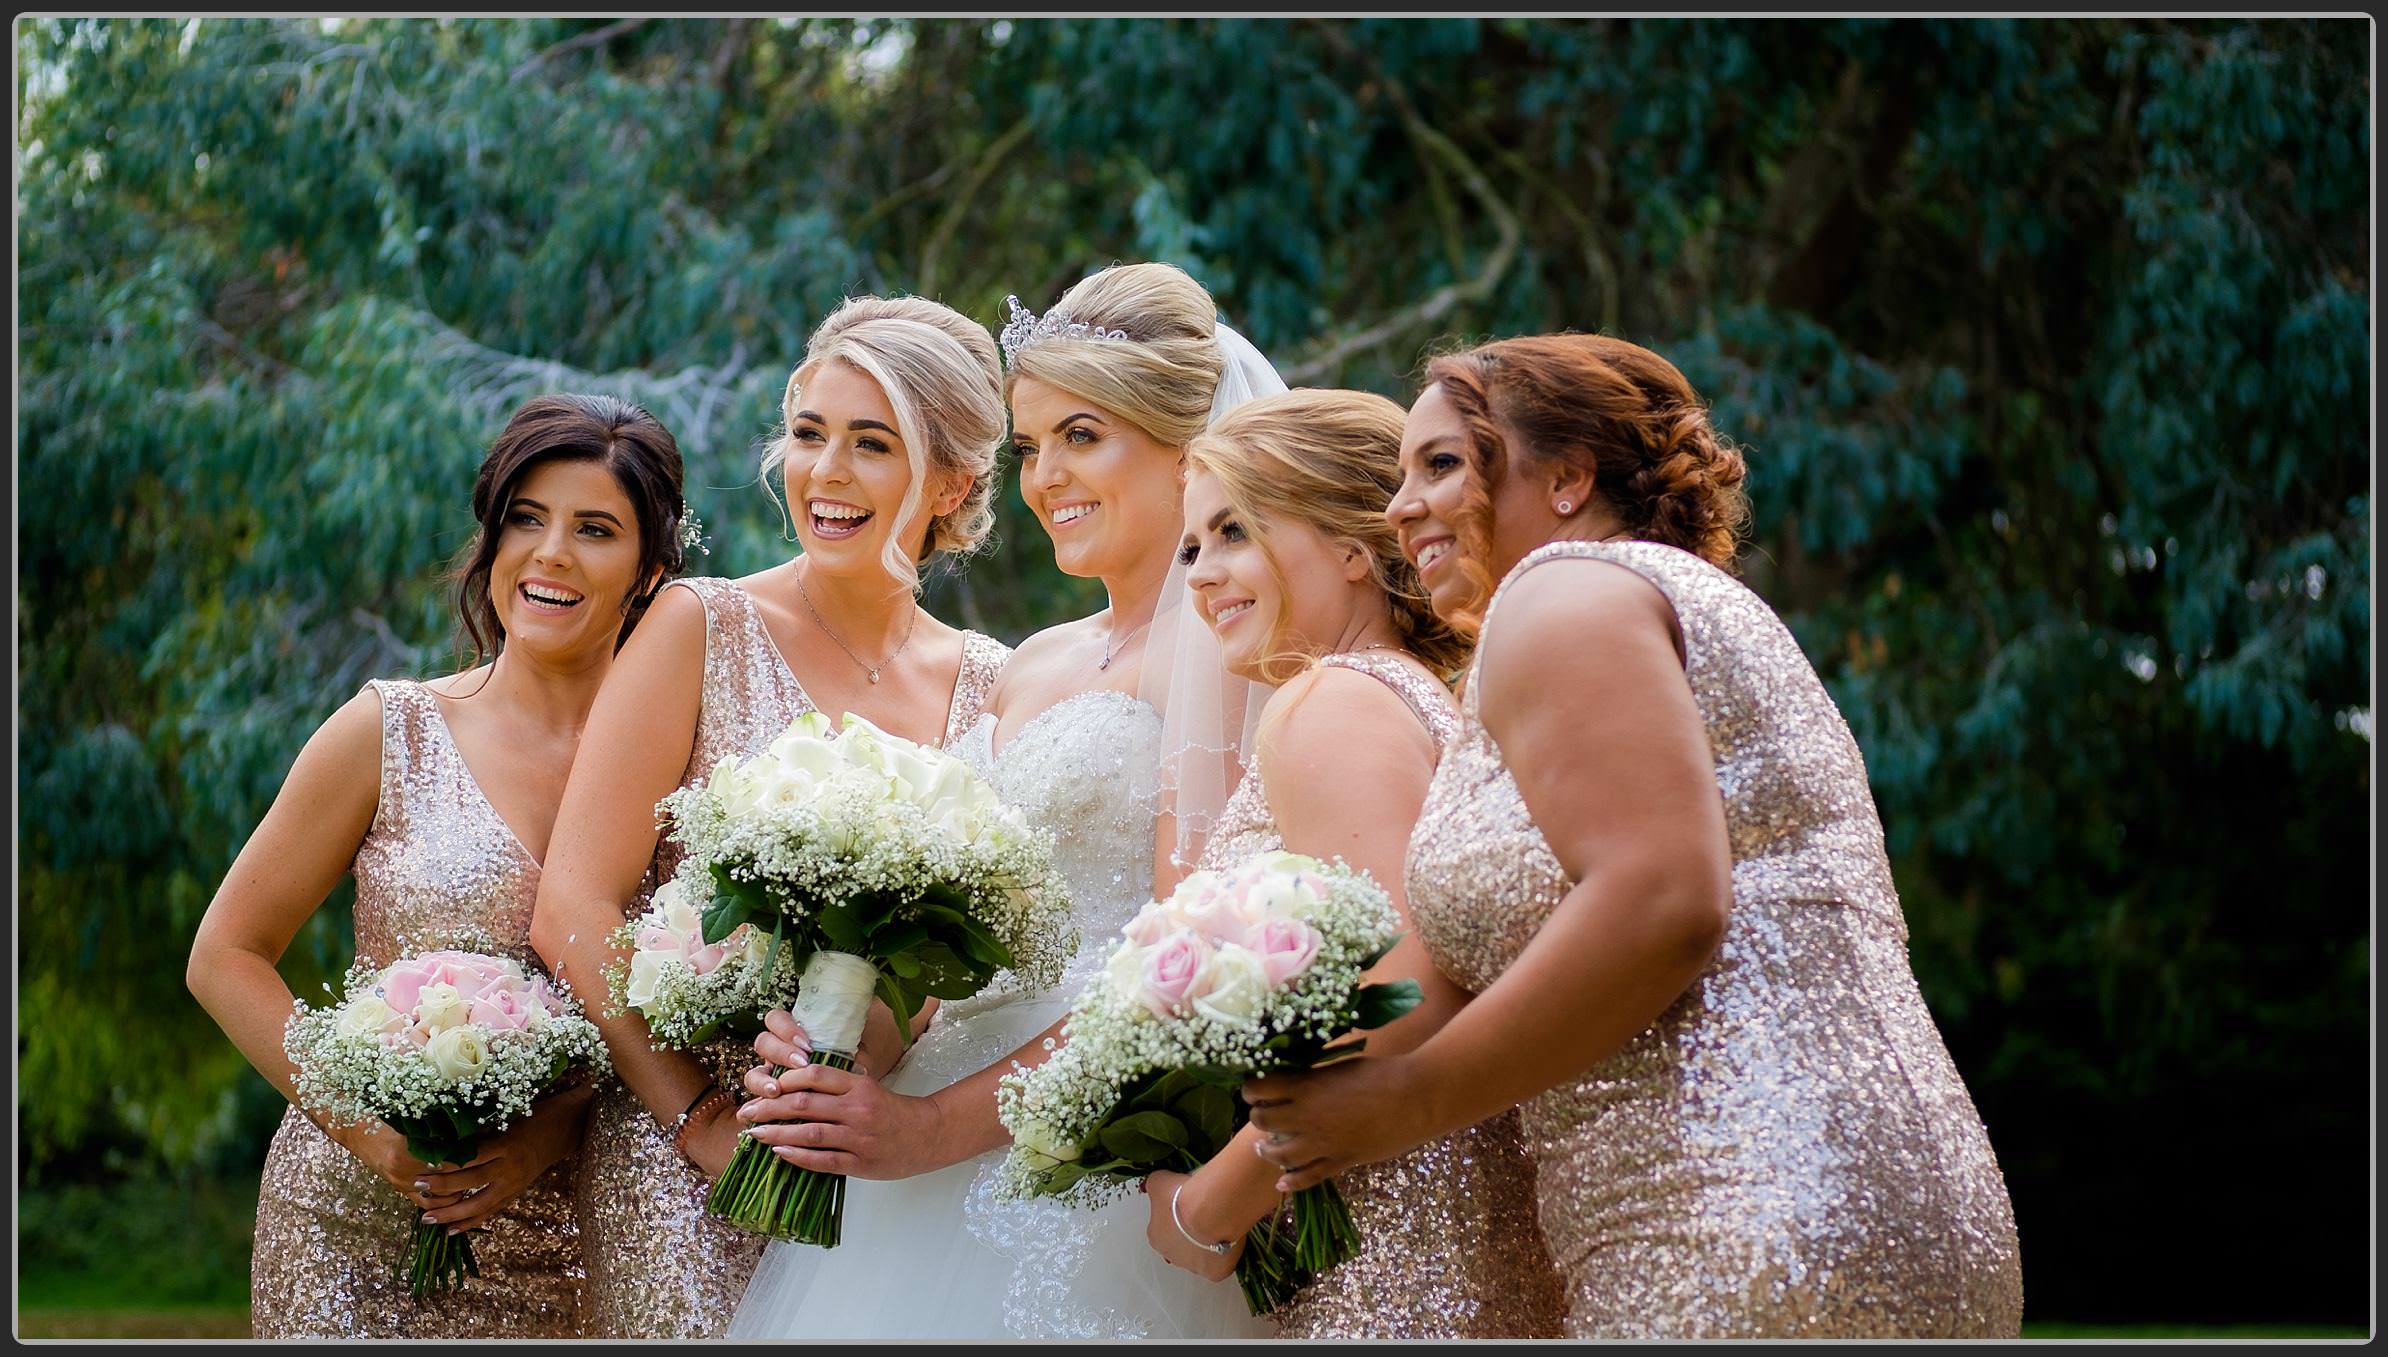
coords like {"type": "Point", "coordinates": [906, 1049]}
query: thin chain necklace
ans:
{"type": "Point", "coordinates": [1111, 652]}
{"type": "Point", "coordinates": [867, 666]}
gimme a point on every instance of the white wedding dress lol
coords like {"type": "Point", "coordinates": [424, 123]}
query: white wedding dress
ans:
{"type": "Point", "coordinates": [937, 1256]}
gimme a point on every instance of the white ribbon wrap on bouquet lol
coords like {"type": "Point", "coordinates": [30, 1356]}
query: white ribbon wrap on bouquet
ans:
{"type": "Point", "coordinates": [833, 997]}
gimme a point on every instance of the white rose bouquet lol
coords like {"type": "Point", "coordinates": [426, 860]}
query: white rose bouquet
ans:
{"type": "Point", "coordinates": [445, 1047]}
{"type": "Point", "coordinates": [1237, 974]}
{"type": "Point", "coordinates": [881, 867]}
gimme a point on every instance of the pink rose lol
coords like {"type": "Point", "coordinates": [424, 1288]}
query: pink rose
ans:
{"type": "Point", "coordinates": [402, 984]}
{"type": "Point", "coordinates": [501, 1012]}
{"type": "Point", "coordinates": [705, 958]}
{"type": "Point", "coordinates": [1286, 948]}
{"type": "Point", "coordinates": [656, 939]}
{"type": "Point", "coordinates": [1170, 969]}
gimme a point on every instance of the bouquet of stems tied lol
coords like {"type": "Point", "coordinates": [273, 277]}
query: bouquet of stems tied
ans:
{"type": "Point", "coordinates": [445, 1047]}
{"type": "Point", "coordinates": [878, 867]}
{"type": "Point", "coordinates": [1239, 973]}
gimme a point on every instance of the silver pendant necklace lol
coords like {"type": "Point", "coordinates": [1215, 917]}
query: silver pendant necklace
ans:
{"type": "Point", "coordinates": [1111, 652]}
{"type": "Point", "coordinates": [867, 666]}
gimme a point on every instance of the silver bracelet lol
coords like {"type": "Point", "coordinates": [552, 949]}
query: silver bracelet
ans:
{"type": "Point", "coordinates": [1181, 1226]}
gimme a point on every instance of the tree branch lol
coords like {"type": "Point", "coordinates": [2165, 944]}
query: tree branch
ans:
{"type": "Point", "coordinates": [573, 44]}
{"type": "Point", "coordinates": [965, 198]}
{"type": "Point", "coordinates": [1442, 300]}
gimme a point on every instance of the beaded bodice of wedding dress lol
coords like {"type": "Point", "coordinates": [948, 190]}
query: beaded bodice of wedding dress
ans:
{"type": "Point", "coordinates": [937, 1255]}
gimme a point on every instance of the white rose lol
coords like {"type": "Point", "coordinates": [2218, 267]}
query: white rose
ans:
{"type": "Point", "coordinates": [739, 789]}
{"type": "Point", "coordinates": [369, 1016]}
{"type": "Point", "coordinates": [1232, 987]}
{"type": "Point", "coordinates": [1040, 1139]}
{"type": "Point", "coordinates": [646, 972]}
{"type": "Point", "coordinates": [1125, 970]}
{"type": "Point", "coordinates": [754, 946]}
{"type": "Point", "coordinates": [680, 914]}
{"type": "Point", "coordinates": [441, 1007]}
{"type": "Point", "coordinates": [458, 1053]}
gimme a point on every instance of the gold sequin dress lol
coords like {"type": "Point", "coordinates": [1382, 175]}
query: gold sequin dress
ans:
{"type": "Point", "coordinates": [658, 1266]}
{"type": "Point", "coordinates": [1448, 1243]}
{"type": "Point", "coordinates": [1788, 1150]}
{"type": "Point", "coordinates": [332, 1235]}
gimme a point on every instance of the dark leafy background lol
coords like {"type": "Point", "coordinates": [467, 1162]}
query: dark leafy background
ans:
{"type": "Point", "coordinates": [2047, 341]}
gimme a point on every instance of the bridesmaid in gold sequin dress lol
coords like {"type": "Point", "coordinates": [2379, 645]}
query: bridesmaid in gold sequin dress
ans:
{"type": "Point", "coordinates": [892, 421]}
{"type": "Point", "coordinates": [1669, 892]}
{"type": "Point", "coordinates": [439, 798]}
{"type": "Point", "coordinates": [1292, 560]}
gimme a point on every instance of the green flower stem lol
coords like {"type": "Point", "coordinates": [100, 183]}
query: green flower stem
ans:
{"type": "Point", "coordinates": [438, 1261]}
{"type": "Point", "coordinates": [764, 1194]}
{"type": "Point", "coordinates": [1323, 1231]}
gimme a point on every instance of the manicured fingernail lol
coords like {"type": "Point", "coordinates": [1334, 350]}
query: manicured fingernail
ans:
{"type": "Point", "coordinates": [421, 1186]}
{"type": "Point", "coordinates": [455, 1230]}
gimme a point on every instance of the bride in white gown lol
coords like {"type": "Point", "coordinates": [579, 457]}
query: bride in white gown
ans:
{"type": "Point", "coordinates": [1118, 733]}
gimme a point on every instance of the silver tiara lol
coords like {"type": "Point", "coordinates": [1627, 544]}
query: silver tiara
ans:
{"type": "Point", "coordinates": [1025, 328]}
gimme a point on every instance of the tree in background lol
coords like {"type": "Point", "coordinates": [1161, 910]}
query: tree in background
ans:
{"type": "Point", "coordinates": [2048, 343]}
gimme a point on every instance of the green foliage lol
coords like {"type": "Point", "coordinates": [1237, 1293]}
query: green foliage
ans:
{"type": "Point", "coordinates": [2046, 341]}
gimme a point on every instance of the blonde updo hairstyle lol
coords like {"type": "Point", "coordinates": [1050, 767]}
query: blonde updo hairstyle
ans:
{"type": "Point", "coordinates": [1164, 381]}
{"type": "Point", "coordinates": [1332, 460]}
{"type": "Point", "coordinates": [941, 375]}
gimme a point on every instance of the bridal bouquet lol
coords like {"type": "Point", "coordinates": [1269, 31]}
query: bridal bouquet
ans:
{"type": "Point", "coordinates": [1237, 974]}
{"type": "Point", "coordinates": [881, 867]}
{"type": "Point", "coordinates": [445, 1047]}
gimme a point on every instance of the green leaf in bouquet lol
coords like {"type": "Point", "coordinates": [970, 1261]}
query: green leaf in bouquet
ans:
{"type": "Point", "coordinates": [844, 926]}
{"type": "Point", "coordinates": [1381, 1004]}
{"type": "Point", "coordinates": [903, 965]}
{"type": "Point", "coordinates": [1382, 952]}
{"type": "Point", "coordinates": [1145, 1137]}
{"type": "Point", "coordinates": [734, 902]}
{"type": "Point", "coordinates": [899, 999]}
{"type": "Point", "coordinates": [1061, 1178]}
{"type": "Point", "coordinates": [1210, 1111]}
{"type": "Point", "coordinates": [892, 938]}
{"type": "Point", "coordinates": [1160, 1093]}
{"type": "Point", "coordinates": [1219, 1076]}
{"type": "Point", "coordinates": [945, 975]}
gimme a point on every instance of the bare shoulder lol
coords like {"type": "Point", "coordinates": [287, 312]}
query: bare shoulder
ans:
{"type": "Point", "coordinates": [1334, 717]}
{"type": "Point", "coordinates": [1565, 617]}
{"type": "Point", "coordinates": [341, 762]}
{"type": "Point", "coordinates": [1044, 658]}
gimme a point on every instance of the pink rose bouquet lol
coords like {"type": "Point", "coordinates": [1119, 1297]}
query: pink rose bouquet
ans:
{"type": "Point", "coordinates": [1238, 973]}
{"type": "Point", "coordinates": [445, 1047]}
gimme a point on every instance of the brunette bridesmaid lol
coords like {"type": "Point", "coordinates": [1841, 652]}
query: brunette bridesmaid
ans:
{"type": "Point", "coordinates": [440, 798]}
{"type": "Point", "coordinates": [1653, 856]}
{"type": "Point", "coordinates": [891, 427]}
{"type": "Point", "coordinates": [1306, 585]}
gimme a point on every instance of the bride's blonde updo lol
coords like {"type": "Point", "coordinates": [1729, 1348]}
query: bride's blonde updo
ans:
{"type": "Point", "coordinates": [939, 371]}
{"type": "Point", "coordinates": [1163, 382]}
{"type": "Point", "coordinates": [1331, 459]}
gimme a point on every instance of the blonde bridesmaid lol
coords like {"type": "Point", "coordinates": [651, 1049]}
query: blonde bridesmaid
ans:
{"type": "Point", "coordinates": [1653, 857]}
{"type": "Point", "coordinates": [1305, 582]}
{"type": "Point", "coordinates": [440, 798]}
{"type": "Point", "coordinates": [891, 427]}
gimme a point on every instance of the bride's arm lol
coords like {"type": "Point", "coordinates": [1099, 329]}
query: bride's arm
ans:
{"type": "Point", "coordinates": [1346, 767]}
{"type": "Point", "coordinates": [632, 752]}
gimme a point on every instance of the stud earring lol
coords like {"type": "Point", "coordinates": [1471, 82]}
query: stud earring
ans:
{"type": "Point", "coordinates": [1566, 507]}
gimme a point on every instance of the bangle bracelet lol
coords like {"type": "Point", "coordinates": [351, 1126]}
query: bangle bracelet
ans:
{"type": "Point", "coordinates": [1189, 1234]}
{"type": "Point", "coordinates": [688, 1118]}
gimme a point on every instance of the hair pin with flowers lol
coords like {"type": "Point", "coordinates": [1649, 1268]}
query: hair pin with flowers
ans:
{"type": "Point", "coordinates": [692, 530]}
{"type": "Point", "coordinates": [1025, 328]}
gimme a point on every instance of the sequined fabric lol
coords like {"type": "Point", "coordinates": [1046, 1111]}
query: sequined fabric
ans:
{"type": "Point", "coordinates": [1448, 1244]}
{"type": "Point", "coordinates": [332, 1235]}
{"type": "Point", "coordinates": [658, 1266]}
{"type": "Point", "coordinates": [1788, 1150]}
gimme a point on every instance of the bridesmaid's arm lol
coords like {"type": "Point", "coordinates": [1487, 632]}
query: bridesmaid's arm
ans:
{"type": "Point", "coordinates": [1621, 781]}
{"type": "Point", "coordinates": [299, 852]}
{"type": "Point", "coordinates": [1346, 767]}
{"type": "Point", "coordinates": [632, 752]}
